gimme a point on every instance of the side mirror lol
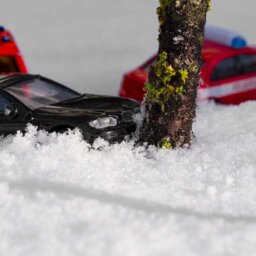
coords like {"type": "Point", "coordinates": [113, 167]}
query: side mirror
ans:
{"type": "Point", "coordinates": [10, 111]}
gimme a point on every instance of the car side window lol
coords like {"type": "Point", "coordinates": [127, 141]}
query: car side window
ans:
{"type": "Point", "coordinates": [3, 103]}
{"type": "Point", "coordinates": [226, 69]}
{"type": "Point", "coordinates": [248, 63]}
{"type": "Point", "coordinates": [8, 64]}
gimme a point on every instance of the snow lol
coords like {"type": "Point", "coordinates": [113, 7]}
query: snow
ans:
{"type": "Point", "coordinates": [112, 199]}
{"type": "Point", "coordinates": [178, 39]}
{"type": "Point", "coordinates": [59, 195]}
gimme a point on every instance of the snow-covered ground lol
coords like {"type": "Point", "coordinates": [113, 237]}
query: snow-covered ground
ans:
{"type": "Point", "coordinates": [60, 196]}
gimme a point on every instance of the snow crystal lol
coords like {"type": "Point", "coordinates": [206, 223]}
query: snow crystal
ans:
{"type": "Point", "coordinates": [58, 194]}
{"type": "Point", "coordinates": [178, 39]}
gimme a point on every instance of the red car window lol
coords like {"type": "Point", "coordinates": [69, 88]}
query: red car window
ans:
{"type": "Point", "coordinates": [227, 68]}
{"type": "Point", "coordinates": [8, 64]}
{"type": "Point", "coordinates": [248, 63]}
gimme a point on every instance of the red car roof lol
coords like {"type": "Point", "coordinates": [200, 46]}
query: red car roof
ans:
{"type": "Point", "coordinates": [7, 44]}
{"type": "Point", "coordinates": [213, 50]}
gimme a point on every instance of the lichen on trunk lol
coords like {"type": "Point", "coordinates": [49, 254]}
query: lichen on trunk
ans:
{"type": "Point", "coordinates": [171, 89]}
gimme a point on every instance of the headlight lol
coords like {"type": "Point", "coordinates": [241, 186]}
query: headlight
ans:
{"type": "Point", "coordinates": [103, 122]}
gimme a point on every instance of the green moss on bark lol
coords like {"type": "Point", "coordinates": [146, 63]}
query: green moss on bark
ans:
{"type": "Point", "coordinates": [166, 75]}
{"type": "Point", "coordinates": [161, 10]}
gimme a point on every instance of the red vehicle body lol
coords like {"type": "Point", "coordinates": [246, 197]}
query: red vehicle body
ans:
{"type": "Point", "coordinates": [11, 60]}
{"type": "Point", "coordinates": [228, 75]}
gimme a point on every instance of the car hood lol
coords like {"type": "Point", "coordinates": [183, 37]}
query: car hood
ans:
{"type": "Point", "coordinates": [65, 111]}
{"type": "Point", "coordinates": [89, 105]}
{"type": "Point", "coordinates": [98, 103]}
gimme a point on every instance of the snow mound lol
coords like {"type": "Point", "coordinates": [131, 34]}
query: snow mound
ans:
{"type": "Point", "coordinates": [58, 194]}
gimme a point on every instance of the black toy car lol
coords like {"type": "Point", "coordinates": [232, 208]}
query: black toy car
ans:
{"type": "Point", "coordinates": [53, 107]}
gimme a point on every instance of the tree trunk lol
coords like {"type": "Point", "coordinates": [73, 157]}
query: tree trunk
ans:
{"type": "Point", "coordinates": [171, 90]}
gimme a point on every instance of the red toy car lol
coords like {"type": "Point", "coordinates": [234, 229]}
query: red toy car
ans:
{"type": "Point", "coordinates": [228, 73]}
{"type": "Point", "coordinates": [11, 60]}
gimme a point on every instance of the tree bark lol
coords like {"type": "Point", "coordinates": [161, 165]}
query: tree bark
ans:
{"type": "Point", "coordinates": [170, 102]}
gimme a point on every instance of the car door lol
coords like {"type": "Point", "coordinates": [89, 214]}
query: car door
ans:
{"type": "Point", "coordinates": [12, 123]}
{"type": "Point", "coordinates": [233, 80]}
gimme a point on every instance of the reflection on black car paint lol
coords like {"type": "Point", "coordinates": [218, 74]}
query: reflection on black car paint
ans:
{"type": "Point", "coordinates": [54, 107]}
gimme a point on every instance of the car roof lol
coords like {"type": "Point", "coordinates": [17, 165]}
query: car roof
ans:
{"type": "Point", "coordinates": [8, 45]}
{"type": "Point", "coordinates": [213, 50]}
{"type": "Point", "coordinates": [8, 80]}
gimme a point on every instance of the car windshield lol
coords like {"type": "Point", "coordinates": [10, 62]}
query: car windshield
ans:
{"type": "Point", "coordinates": [38, 93]}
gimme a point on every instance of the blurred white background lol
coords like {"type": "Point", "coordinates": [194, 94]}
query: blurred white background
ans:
{"type": "Point", "coordinates": [89, 44]}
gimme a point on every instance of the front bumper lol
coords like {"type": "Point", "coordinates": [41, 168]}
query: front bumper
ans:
{"type": "Point", "coordinates": [114, 135]}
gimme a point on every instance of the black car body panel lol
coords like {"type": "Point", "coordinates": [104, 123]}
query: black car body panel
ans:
{"type": "Point", "coordinates": [22, 101]}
